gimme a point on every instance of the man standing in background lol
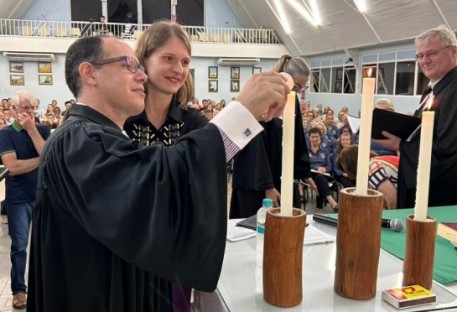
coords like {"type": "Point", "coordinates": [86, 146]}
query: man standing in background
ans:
{"type": "Point", "coordinates": [437, 57]}
{"type": "Point", "coordinates": [21, 144]}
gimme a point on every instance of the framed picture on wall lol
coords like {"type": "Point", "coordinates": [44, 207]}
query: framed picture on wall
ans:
{"type": "Point", "coordinates": [212, 85]}
{"type": "Point", "coordinates": [16, 67]}
{"type": "Point", "coordinates": [45, 79]}
{"type": "Point", "coordinates": [212, 72]}
{"type": "Point", "coordinates": [256, 70]}
{"type": "Point", "coordinates": [44, 68]}
{"type": "Point", "coordinates": [234, 86]}
{"type": "Point", "coordinates": [234, 73]}
{"type": "Point", "coordinates": [17, 80]}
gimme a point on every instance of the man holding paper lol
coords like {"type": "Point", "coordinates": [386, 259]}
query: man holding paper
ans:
{"type": "Point", "coordinates": [437, 57]}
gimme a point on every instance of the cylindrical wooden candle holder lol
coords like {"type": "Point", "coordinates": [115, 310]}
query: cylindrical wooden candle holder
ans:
{"type": "Point", "coordinates": [283, 257]}
{"type": "Point", "coordinates": [419, 252]}
{"type": "Point", "coordinates": [358, 243]}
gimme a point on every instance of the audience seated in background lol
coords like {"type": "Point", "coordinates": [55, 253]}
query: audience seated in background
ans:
{"type": "Point", "coordinates": [345, 140]}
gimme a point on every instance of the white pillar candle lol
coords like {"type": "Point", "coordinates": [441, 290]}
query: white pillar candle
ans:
{"type": "Point", "coordinates": [423, 168]}
{"type": "Point", "coordinates": [288, 140]}
{"type": "Point", "coordinates": [365, 136]}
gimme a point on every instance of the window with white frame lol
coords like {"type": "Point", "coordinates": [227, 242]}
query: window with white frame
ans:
{"type": "Point", "coordinates": [349, 80]}
{"type": "Point", "coordinates": [404, 83]}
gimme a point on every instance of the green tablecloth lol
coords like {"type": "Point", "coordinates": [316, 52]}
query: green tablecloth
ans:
{"type": "Point", "coordinates": [445, 268]}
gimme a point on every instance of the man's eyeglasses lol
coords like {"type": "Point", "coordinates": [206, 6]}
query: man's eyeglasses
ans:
{"type": "Point", "coordinates": [429, 54]}
{"type": "Point", "coordinates": [26, 108]}
{"type": "Point", "coordinates": [129, 62]}
{"type": "Point", "coordinates": [300, 87]}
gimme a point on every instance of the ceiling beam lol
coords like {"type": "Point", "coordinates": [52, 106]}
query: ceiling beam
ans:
{"type": "Point", "coordinates": [441, 14]}
{"type": "Point", "coordinates": [288, 35]}
{"type": "Point", "coordinates": [366, 20]}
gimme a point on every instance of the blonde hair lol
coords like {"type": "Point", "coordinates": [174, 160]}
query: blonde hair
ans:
{"type": "Point", "coordinates": [156, 36]}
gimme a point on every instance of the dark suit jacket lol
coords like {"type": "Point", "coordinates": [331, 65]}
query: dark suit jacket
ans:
{"type": "Point", "coordinates": [443, 175]}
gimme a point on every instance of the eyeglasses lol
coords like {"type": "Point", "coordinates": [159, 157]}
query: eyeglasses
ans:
{"type": "Point", "coordinates": [26, 108]}
{"type": "Point", "coordinates": [129, 62]}
{"type": "Point", "coordinates": [429, 54]}
{"type": "Point", "coordinates": [300, 87]}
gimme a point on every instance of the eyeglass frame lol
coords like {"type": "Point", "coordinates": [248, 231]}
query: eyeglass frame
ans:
{"type": "Point", "coordinates": [124, 58]}
{"type": "Point", "coordinates": [29, 107]}
{"type": "Point", "coordinates": [300, 87]}
{"type": "Point", "coordinates": [430, 54]}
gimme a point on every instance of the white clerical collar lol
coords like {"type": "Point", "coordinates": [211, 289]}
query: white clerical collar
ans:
{"type": "Point", "coordinates": [432, 84]}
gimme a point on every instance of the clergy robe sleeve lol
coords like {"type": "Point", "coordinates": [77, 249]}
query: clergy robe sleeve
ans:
{"type": "Point", "coordinates": [251, 168]}
{"type": "Point", "coordinates": [161, 209]}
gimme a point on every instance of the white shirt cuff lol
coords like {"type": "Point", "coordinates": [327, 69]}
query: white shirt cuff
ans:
{"type": "Point", "coordinates": [237, 123]}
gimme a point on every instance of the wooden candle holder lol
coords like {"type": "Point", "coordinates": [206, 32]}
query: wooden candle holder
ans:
{"type": "Point", "coordinates": [419, 252]}
{"type": "Point", "coordinates": [283, 257]}
{"type": "Point", "coordinates": [358, 243]}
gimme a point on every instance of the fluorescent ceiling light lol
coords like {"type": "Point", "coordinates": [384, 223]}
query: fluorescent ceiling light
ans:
{"type": "Point", "coordinates": [315, 12]}
{"type": "Point", "coordinates": [282, 16]}
{"type": "Point", "coordinates": [312, 17]}
{"type": "Point", "coordinates": [361, 5]}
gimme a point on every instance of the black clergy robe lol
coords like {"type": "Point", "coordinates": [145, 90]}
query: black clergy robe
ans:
{"type": "Point", "coordinates": [108, 213]}
{"type": "Point", "coordinates": [443, 174]}
{"type": "Point", "coordinates": [142, 132]}
{"type": "Point", "coordinates": [259, 167]}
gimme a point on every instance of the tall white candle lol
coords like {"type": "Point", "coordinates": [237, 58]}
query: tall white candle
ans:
{"type": "Point", "coordinates": [365, 136]}
{"type": "Point", "coordinates": [288, 140]}
{"type": "Point", "coordinates": [423, 169]}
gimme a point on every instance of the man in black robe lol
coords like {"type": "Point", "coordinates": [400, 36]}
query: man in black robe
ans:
{"type": "Point", "coordinates": [107, 212]}
{"type": "Point", "coordinates": [437, 57]}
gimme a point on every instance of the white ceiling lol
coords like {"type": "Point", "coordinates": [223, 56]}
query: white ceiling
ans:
{"type": "Point", "coordinates": [343, 26]}
{"type": "Point", "coordinates": [14, 8]}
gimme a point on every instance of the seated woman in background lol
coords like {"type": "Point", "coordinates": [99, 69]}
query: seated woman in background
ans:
{"type": "Point", "coordinates": [344, 141]}
{"type": "Point", "coordinates": [382, 175]}
{"type": "Point", "coordinates": [320, 168]}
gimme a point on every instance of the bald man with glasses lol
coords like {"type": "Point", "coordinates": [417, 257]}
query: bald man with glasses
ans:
{"type": "Point", "coordinates": [437, 57]}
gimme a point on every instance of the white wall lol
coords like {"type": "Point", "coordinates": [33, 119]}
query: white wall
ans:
{"type": "Point", "coordinates": [60, 92]}
{"type": "Point", "coordinates": [218, 13]}
{"type": "Point", "coordinates": [201, 77]}
{"type": "Point", "coordinates": [51, 10]}
{"type": "Point", "coordinates": [46, 93]}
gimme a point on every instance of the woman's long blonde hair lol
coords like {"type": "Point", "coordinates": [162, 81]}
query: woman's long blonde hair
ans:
{"type": "Point", "coordinates": [156, 36]}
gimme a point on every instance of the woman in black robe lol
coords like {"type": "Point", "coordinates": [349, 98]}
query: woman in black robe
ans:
{"type": "Point", "coordinates": [257, 168]}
